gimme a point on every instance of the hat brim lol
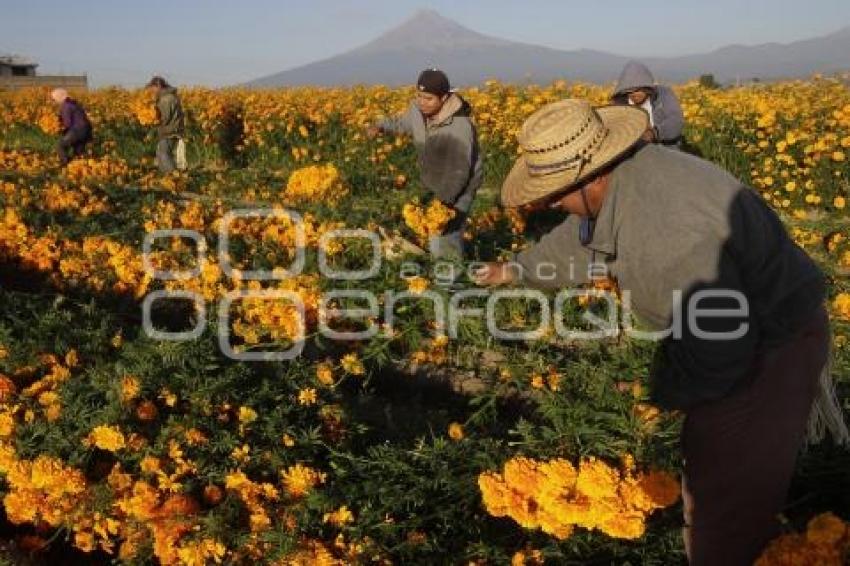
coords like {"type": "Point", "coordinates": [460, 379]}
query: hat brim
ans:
{"type": "Point", "coordinates": [625, 126]}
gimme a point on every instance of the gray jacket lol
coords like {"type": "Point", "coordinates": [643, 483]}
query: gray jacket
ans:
{"type": "Point", "coordinates": [170, 111]}
{"type": "Point", "coordinates": [667, 116]}
{"type": "Point", "coordinates": [671, 221]}
{"type": "Point", "coordinates": [447, 145]}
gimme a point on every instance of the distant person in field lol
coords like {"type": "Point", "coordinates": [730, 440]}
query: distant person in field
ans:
{"type": "Point", "coordinates": [446, 141]}
{"type": "Point", "coordinates": [171, 146]}
{"type": "Point", "coordinates": [637, 87]}
{"type": "Point", "coordinates": [76, 128]}
{"type": "Point", "coordinates": [736, 306]}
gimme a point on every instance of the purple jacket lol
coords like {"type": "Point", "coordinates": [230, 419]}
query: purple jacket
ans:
{"type": "Point", "coordinates": [73, 116]}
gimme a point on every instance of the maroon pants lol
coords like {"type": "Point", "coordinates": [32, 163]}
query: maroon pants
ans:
{"type": "Point", "coordinates": [740, 451]}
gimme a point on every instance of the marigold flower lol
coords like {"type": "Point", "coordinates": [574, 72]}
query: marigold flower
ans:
{"type": "Point", "coordinates": [299, 480]}
{"type": "Point", "coordinates": [417, 285]}
{"type": "Point", "coordinates": [307, 396]}
{"type": "Point", "coordinates": [324, 374]}
{"type": "Point", "coordinates": [107, 438]}
{"type": "Point", "coordinates": [351, 363]}
{"type": "Point", "coordinates": [130, 388]}
{"type": "Point", "coordinates": [146, 411]}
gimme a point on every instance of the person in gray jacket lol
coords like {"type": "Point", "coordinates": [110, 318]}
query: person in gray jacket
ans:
{"type": "Point", "coordinates": [637, 87]}
{"type": "Point", "coordinates": [440, 122]}
{"type": "Point", "coordinates": [736, 306]}
{"type": "Point", "coordinates": [171, 130]}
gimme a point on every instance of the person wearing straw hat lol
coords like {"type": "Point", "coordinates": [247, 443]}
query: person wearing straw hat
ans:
{"type": "Point", "coordinates": [637, 87]}
{"type": "Point", "coordinates": [439, 121]}
{"type": "Point", "coordinates": [76, 127]}
{"type": "Point", "coordinates": [171, 130]}
{"type": "Point", "coordinates": [686, 241]}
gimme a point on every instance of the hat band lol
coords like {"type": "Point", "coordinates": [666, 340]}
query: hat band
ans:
{"type": "Point", "coordinates": [552, 167]}
{"type": "Point", "coordinates": [583, 156]}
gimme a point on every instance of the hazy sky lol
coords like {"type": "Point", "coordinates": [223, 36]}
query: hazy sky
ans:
{"type": "Point", "coordinates": [224, 42]}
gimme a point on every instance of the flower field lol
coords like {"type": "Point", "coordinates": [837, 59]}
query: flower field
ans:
{"type": "Point", "coordinates": [401, 445]}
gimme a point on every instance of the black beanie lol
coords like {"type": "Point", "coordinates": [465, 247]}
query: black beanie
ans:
{"type": "Point", "coordinates": [433, 81]}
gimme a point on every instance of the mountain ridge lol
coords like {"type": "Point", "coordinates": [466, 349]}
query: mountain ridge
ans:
{"type": "Point", "coordinates": [428, 39]}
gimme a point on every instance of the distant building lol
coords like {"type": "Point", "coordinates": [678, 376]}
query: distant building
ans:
{"type": "Point", "coordinates": [18, 72]}
{"type": "Point", "coordinates": [16, 66]}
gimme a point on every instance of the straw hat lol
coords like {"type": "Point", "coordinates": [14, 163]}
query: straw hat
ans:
{"type": "Point", "coordinates": [566, 142]}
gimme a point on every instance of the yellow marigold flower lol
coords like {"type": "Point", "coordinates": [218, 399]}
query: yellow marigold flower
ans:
{"type": "Point", "coordinates": [144, 108]}
{"type": "Point", "coordinates": [117, 340]}
{"type": "Point", "coordinates": [288, 441]}
{"type": "Point", "coordinates": [84, 541]}
{"type": "Point", "coordinates": [838, 156]}
{"type": "Point", "coordinates": [596, 479]}
{"type": "Point", "coordinates": [299, 480]}
{"type": "Point", "coordinates": [826, 529]}
{"type": "Point", "coordinates": [841, 305]}
{"type": "Point", "coordinates": [628, 526]}
{"type": "Point", "coordinates": [247, 415]}
{"type": "Point", "coordinates": [456, 431]}
{"type": "Point", "coordinates": [427, 222]}
{"type": "Point", "coordinates": [195, 437]}
{"type": "Point", "coordinates": [824, 542]}
{"type": "Point", "coordinates": [417, 285]}
{"type": "Point", "coordinates": [72, 359]}
{"type": "Point", "coordinates": [150, 465]}
{"type": "Point", "coordinates": [241, 453]}
{"type": "Point", "coordinates": [7, 423]}
{"type": "Point", "coordinates": [662, 488]}
{"type": "Point", "coordinates": [130, 388]}
{"type": "Point", "coordinates": [527, 558]}
{"type": "Point", "coordinates": [554, 497]}
{"type": "Point", "coordinates": [351, 363]}
{"type": "Point", "coordinates": [315, 183]}
{"type": "Point", "coordinates": [324, 373]}
{"type": "Point", "coordinates": [340, 517]}
{"type": "Point", "coordinates": [48, 398]}
{"type": "Point", "coordinates": [107, 438]}
{"type": "Point", "coordinates": [118, 480]}
{"type": "Point", "coordinates": [169, 398]}
{"type": "Point", "coordinates": [53, 412]}
{"type": "Point", "coordinates": [236, 480]}
{"type": "Point", "coordinates": [307, 396]}
{"type": "Point", "coordinates": [21, 507]}
{"type": "Point", "coordinates": [839, 203]}
{"type": "Point", "coordinates": [48, 121]}
{"type": "Point", "coordinates": [200, 553]}
{"type": "Point", "coordinates": [4, 353]}
{"type": "Point", "coordinates": [537, 381]}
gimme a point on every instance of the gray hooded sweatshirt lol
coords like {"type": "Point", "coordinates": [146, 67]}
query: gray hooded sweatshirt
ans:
{"type": "Point", "coordinates": [447, 145]}
{"type": "Point", "coordinates": [667, 114]}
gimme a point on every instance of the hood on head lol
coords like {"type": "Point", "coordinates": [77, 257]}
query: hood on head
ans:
{"type": "Point", "coordinates": [635, 75]}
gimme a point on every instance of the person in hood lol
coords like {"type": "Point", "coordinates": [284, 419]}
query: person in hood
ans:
{"type": "Point", "coordinates": [439, 121]}
{"type": "Point", "coordinates": [170, 148]}
{"type": "Point", "coordinates": [637, 87]}
{"type": "Point", "coordinates": [76, 128]}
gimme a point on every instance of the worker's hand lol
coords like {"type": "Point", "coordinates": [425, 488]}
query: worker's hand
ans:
{"type": "Point", "coordinates": [494, 273]}
{"type": "Point", "coordinates": [649, 135]}
{"type": "Point", "coordinates": [373, 131]}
